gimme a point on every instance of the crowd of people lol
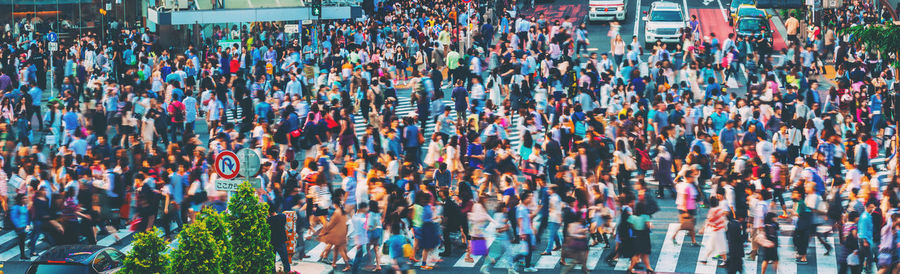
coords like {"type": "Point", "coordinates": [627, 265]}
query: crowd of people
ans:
{"type": "Point", "coordinates": [533, 135]}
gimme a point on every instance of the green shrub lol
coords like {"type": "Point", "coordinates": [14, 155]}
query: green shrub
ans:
{"type": "Point", "coordinates": [250, 234]}
{"type": "Point", "coordinates": [197, 251]}
{"type": "Point", "coordinates": [148, 255]}
{"type": "Point", "coordinates": [216, 224]}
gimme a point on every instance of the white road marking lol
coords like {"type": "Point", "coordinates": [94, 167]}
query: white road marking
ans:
{"type": "Point", "coordinates": [548, 261]}
{"type": "Point", "coordinates": [315, 253]}
{"type": "Point", "coordinates": [824, 264]}
{"type": "Point", "coordinates": [110, 240]}
{"type": "Point", "coordinates": [710, 265]}
{"type": "Point", "coordinates": [787, 264]}
{"type": "Point", "coordinates": [637, 17]}
{"type": "Point", "coordinates": [750, 266]}
{"type": "Point", "coordinates": [668, 255]}
{"type": "Point", "coordinates": [722, 9]}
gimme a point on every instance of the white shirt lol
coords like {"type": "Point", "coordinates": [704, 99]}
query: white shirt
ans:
{"type": "Point", "coordinates": [555, 209]}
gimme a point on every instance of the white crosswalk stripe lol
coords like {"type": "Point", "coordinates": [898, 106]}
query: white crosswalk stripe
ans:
{"type": "Point", "coordinates": [405, 108]}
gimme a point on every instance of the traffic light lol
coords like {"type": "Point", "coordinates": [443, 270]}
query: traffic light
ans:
{"type": "Point", "coordinates": [317, 8]}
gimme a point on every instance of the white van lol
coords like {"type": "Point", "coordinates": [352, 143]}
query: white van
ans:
{"type": "Point", "coordinates": [664, 23]}
{"type": "Point", "coordinates": [607, 10]}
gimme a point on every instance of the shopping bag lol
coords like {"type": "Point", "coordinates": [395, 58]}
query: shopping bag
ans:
{"type": "Point", "coordinates": [478, 246]}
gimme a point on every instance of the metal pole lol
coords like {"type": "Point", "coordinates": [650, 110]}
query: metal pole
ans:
{"type": "Point", "coordinates": [52, 81]}
{"type": "Point", "coordinates": [80, 19]}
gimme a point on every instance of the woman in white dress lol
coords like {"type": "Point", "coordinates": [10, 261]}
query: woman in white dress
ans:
{"type": "Point", "coordinates": [434, 150]}
{"type": "Point", "coordinates": [452, 157]}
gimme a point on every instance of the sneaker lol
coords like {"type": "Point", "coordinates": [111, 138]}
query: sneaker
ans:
{"type": "Point", "coordinates": [530, 269]}
{"type": "Point", "coordinates": [484, 269]}
{"type": "Point", "coordinates": [511, 271]}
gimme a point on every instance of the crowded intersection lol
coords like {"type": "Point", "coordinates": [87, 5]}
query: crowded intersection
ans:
{"type": "Point", "coordinates": [504, 136]}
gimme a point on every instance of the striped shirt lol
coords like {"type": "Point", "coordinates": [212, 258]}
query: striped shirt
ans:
{"type": "Point", "coordinates": [717, 218]}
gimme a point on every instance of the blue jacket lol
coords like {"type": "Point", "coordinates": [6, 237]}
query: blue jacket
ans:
{"type": "Point", "coordinates": [19, 216]}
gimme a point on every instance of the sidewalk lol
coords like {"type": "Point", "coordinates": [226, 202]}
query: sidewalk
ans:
{"type": "Point", "coordinates": [309, 267]}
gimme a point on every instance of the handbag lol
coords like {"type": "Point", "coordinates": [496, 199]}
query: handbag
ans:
{"type": "Point", "coordinates": [630, 165]}
{"type": "Point", "coordinates": [762, 241]}
{"type": "Point", "coordinates": [687, 222]}
{"type": "Point", "coordinates": [576, 244]}
{"type": "Point", "coordinates": [385, 248]}
{"type": "Point", "coordinates": [853, 258]}
{"type": "Point", "coordinates": [478, 246]}
{"type": "Point", "coordinates": [408, 250]}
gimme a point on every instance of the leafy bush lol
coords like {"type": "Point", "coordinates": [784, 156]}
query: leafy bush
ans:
{"type": "Point", "coordinates": [250, 234]}
{"type": "Point", "coordinates": [197, 251]}
{"type": "Point", "coordinates": [147, 255]}
{"type": "Point", "coordinates": [216, 224]}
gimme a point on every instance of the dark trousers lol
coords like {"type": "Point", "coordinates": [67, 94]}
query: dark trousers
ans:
{"type": "Point", "coordinates": [735, 263]}
{"type": "Point", "coordinates": [661, 190]}
{"type": "Point", "coordinates": [801, 241]}
{"type": "Point", "coordinates": [412, 154]}
{"type": "Point", "coordinates": [21, 234]}
{"type": "Point", "coordinates": [359, 260]}
{"type": "Point", "coordinates": [177, 129]}
{"type": "Point", "coordinates": [281, 249]}
{"type": "Point", "coordinates": [527, 256]}
{"type": "Point", "coordinates": [189, 128]}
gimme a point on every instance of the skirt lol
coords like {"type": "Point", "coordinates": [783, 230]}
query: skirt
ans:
{"type": "Point", "coordinates": [428, 235]}
{"type": "Point", "coordinates": [641, 242]}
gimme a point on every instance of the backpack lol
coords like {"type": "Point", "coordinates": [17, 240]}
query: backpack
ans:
{"type": "Point", "coordinates": [291, 181]}
{"type": "Point", "coordinates": [177, 113]}
{"type": "Point", "coordinates": [610, 148]}
{"type": "Point", "coordinates": [644, 163]}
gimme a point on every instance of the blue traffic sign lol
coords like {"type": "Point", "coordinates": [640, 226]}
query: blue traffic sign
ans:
{"type": "Point", "coordinates": [52, 37]}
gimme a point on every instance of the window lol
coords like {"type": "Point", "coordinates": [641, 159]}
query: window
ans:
{"type": "Point", "coordinates": [58, 268]}
{"type": "Point", "coordinates": [666, 16]}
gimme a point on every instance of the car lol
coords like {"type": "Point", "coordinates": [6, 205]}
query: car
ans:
{"type": "Point", "coordinates": [78, 259]}
{"type": "Point", "coordinates": [664, 22]}
{"type": "Point", "coordinates": [753, 26]}
{"type": "Point", "coordinates": [748, 11]}
{"type": "Point", "coordinates": [737, 3]}
{"type": "Point", "coordinates": [607, 10]}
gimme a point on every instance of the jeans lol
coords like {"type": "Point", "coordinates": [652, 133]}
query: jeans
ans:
{"type": "Point", "coordinates": [554, 236]}
{"type": "Point", "coordinates": [876, 121]}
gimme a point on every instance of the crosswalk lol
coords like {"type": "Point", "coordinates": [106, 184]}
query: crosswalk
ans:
{"type": "Point", "coordinates": [879, 163]}
{"type": "Point", "coordinates": [8, 240]}
{"type": "Point", "coordinates": [404, 108]}
{"type": "Point", "coordinates": [666, 256]}
{"type": "Point", "coordinates": [124, 242]}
